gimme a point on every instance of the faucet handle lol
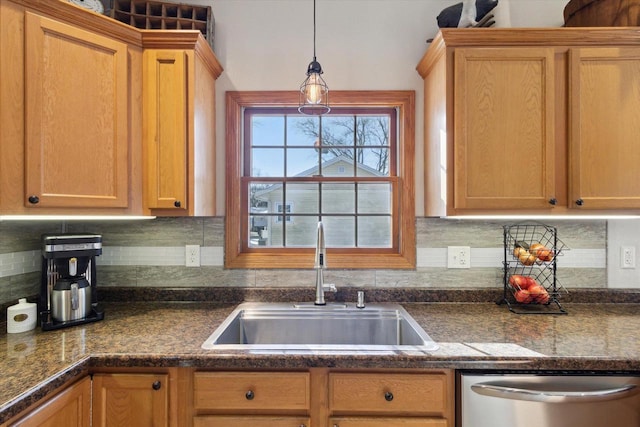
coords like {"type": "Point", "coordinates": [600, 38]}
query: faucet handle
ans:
{"type": "Point", "coordinates": [330, 287]}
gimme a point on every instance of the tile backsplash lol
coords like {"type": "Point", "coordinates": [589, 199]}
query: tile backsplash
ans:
{"type": "Point", "coordinates": [151, 254]}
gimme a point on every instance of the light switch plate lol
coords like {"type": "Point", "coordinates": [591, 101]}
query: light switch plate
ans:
{"type": "Point", "coordinates": [628, 257]}
{"type": "Point", "coordinates": [192, 256]}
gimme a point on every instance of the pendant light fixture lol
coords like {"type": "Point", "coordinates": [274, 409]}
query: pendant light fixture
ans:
{"type": "Point", "coordinates": [314, 93]}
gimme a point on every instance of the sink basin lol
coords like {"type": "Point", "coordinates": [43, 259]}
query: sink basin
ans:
{"type": "Point", "coordinates": [282, 327]}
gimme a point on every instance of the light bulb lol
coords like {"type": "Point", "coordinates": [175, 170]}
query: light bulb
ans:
{"type": "Point", "coordinates": [313, 90]}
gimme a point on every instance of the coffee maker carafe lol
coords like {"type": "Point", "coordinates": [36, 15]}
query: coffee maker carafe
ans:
{"type": "Point", "coordinates": [68, 290]}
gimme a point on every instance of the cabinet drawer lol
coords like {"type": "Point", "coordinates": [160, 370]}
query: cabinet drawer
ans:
{"type": "Point", "coordinates": [271, 391]}
{"type": "Point", "coordinates": [251, 421]}
{"type": "Point", "coordinates": [387, 422]}
{"type": "Point", "coordinates": [402, 394]}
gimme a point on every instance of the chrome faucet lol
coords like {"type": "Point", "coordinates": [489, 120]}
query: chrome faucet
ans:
{"type": "Point", "coordinates": [320, 264]}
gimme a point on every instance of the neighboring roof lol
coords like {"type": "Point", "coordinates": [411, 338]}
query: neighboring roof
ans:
{"type": "Point", "coordinates": [314, 171]}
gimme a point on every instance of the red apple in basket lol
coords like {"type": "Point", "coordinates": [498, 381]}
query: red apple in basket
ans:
{"type": "Point", "coordinates": [518, 282]}
{"type": "Point", "coordinates": [545, 255]}
{"type": "Point", "coordinates": [541, 252]}
{"type": "Point", "coordinates": [535, 247]}
{"type": "Point", "coordinates": [530, 281]}
{"type": "Point", "coordinates": [523, 296]}
{"type": "Point", "coordinates": [538, 294]}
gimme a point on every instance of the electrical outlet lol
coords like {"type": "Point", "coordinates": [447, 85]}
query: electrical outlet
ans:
{"type": "Point", "coordinates": [458, 257]}
{"type": "Point", "coordinates": [192, 256]}
{"type": "Point", "coordinates": [628, 257]}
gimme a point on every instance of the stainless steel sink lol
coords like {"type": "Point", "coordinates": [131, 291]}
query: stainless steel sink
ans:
{"type": "Point", "coordinates": [281, 327]}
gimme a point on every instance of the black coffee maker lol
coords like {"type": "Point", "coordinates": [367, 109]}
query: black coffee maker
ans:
{"type": "Point", "coordinates": [68, 288]}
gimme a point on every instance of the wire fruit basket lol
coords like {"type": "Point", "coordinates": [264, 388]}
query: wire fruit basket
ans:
{"type": "Point", "coordinates": [530, 263]}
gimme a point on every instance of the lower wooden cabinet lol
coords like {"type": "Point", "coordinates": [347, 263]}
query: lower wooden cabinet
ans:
{"type": "Point", "coordinates": [389, 393]}
{"type": "Point", "coordinates": [387, 422]}
{"type": "Point", "coordinates": [251, 421]}
{"type": "Point", "coordinates": [187, 397]}
{"type": "Point", "coordinates": [132, 400]}
{"type": "Point", "coordinates": [257, 392]}
{"type": "Point", "coordinates": [324, 397]}
{"type": "Point", "coordinates": [70, 408]}
{"type": "Point", "coordinates": [397, 398]}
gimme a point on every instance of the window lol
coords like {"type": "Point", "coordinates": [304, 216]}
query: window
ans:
{"type": "Point", "coordinates": [352, 169]}
{"type": "Point", "coordinates": [282, 208]}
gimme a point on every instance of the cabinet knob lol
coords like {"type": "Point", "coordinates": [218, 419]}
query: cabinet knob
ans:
{"type": "Point", "coordinates": [388, 396]}
{"type": "Point", "coordinates": [553, 201]}
{"type": "Point", "coordinates": [156, 385]}
{"type": "Point", "coordinates": [249, 395]}
{"type": "Point", "coordinates": [34, 199]}
{"type": "Point", "coordinates": [177, 203]}
{"type": "Point", "coordinates": [579, 202]}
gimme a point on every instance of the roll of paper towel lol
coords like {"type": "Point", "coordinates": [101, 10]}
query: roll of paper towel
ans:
{"type": "Point", "coordinates": [21, 317]}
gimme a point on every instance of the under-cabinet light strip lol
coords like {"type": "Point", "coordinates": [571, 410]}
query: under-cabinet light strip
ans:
{"type": "Point", "coordinates": [74, 217]}
{"type": "Point", "coordinates": [541, 217]}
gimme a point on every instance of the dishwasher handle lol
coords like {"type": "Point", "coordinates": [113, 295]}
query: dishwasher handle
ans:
{"type": "Point", "coordinates": [553, 396]}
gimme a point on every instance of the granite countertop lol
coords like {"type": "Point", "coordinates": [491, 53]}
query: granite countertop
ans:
{"type": "Point", "coordinates": [470, 335]}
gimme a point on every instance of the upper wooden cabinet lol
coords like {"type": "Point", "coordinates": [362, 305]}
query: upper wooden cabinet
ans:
{"type": "Point", "coordinates": [604, 152]}
{"type": "Point", "coordinates": [76, 117]}
{"type": "Point", "coordinates": [91, 108]}
{"type": "Point", "coordinates": [503, 127]}
{"type": "Point", "coordinates": [179, 127]}
{"type": "Point", "coordinates": [531, 121]}
{"type": "Point", "coordinates": [69, 113]}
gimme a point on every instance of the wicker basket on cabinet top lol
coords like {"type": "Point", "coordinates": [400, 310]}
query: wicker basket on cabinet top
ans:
{"type": "Point", "coordinates": [602, 13]}
{"type": "Point", "coordinates": [161, 15]}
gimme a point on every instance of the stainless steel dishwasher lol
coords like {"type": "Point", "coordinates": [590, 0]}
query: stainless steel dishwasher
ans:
{"type": "Point", "coordinates": [548, 400]}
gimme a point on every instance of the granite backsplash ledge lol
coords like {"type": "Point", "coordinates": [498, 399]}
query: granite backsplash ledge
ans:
{"type": "Point", "coordinates": [235, 295]}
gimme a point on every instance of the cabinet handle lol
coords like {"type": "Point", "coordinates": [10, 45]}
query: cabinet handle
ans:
{"type": "Point", "coordinates": [553, 201]}
{"type": "Point", "coordinates": [579, 202]}
{"type": "Point", "coordinates": [34, 199]}
{"type": "Point", "coordinates": [249, 395]}
{"type": "Point", "coordinates": [156, 385]}
{"type": "Point", "coordinates": [388, 396]}
{"type": "Point", "coordinates": [177, 203]}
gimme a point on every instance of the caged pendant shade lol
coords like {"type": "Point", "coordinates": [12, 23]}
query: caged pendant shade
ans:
{"type": "Point", "coordinates": [314, 92]}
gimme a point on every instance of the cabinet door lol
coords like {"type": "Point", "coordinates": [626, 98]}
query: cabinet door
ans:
{"type": "Point", "coordinates": [604, 153]}
{"type": "Point", "coordinates": [76, 117]}
{"type": "Point", "coordinates": [504, 142]}
{"type": "Point", "coordinates": [386, 422]}
{"type": "Point", "coordinates": [165, 130]}
{"type": "Point", "coordinates": [71, 408]}
{"type": "Point", "coordinates": [132, 400]}
{"type": "Point", "coordinates": [250, 421]}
